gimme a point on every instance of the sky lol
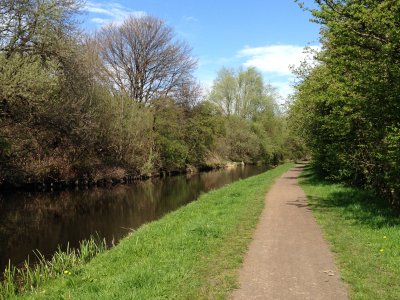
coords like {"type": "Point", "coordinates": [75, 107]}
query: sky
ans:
{"type": "Point", "coordinates": [267, 34]}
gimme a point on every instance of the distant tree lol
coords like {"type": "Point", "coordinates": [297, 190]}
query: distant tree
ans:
{"type": "Point", "coordinates": [223, 91]}
{"type": "Point", "coordinates": [250, 93]}
{"type": "Point", "coordinates": [144, 60]}
{"type": "Point", "coordinates": [242, 93]}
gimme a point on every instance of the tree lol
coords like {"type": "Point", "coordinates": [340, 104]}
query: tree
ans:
{"type": "Point", "coordinates": [242, 93]}
{"type": "Point", "coordinates": [47, 119]}
{"type": "Point", "coordinates": [223, 91]}
{"type": "Point", "coordinates": [169, 127]}
{"type": "Point", "coordinates": [203, 125]}
{"type": "Point", "coordinates": [349, 104]}
{"type": "Point", "coordinates": [253, 123]}
{"type": "Point", "coordinates": [36, 26]}
{"type": "Point", "coordinates": [144, 60]}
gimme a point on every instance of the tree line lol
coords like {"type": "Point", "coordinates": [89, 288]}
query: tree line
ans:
{"type": "Point", "coordinates": [347, 107]}
{"type": "Point", "coordinates": [120, 101]}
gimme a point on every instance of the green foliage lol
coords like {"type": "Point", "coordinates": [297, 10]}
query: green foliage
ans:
{"type": "Point", "coordinates": [169, 125]}
{"type": "Point", "coordinates": [185, 136]}
{"type": "Point", "coordinates": [255, 128]}
{"type": "Point", "coordinates": [223, 92]}
{"type": "Point", "coordinates": [347, 108]}
{"type": "Point", "coordinates": [244, 144]}
{"type": "Point", "coordinates": [44, 142]}
{"type": "Point", "coordinates": [203, 127]}
{"type": "Point", "coordinates": [37, 27]}
{"type": "Point", "coordinates": [121, 141]}
{"type": "Point", "coordinates": [25, 82]}
{"type": "Point", "coordinates": [242, 93]}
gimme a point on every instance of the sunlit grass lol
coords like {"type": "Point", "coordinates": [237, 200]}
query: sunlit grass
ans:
{"type": "Point", "coordinates": [364, 233]}
{"type": "Point", "coordinates": [29, 277]}
{"type": "Point", "coordinates": [192, 253]}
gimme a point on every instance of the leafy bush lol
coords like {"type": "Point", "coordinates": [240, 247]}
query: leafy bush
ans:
{"type": "Point", "coordinates": [347, 108]}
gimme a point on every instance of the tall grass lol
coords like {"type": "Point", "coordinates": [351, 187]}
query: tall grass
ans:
{"type": "Point", "coordinates": [63, 262]}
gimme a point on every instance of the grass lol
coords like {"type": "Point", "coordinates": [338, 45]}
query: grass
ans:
{"type": "Point", "coordinates": [192, 253]}
{"type": "Point", "coordinates": [22, 280]}
{"type": "Point", "coordinates": [364, 233]}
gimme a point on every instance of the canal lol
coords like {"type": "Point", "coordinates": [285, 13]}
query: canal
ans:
{"type": "Point", "coordinates": [46, 221]}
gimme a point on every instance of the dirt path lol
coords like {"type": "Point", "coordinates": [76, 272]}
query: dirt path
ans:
{"type": "Point", "coordinates": [288, 257]}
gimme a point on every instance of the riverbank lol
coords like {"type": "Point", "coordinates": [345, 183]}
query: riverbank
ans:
{"type": "Point", "coordinates": [194, 252]}
{"type": "Point", "coordinates": [364, 234]}
{"type": "Point", "coordinates": [112, 176]}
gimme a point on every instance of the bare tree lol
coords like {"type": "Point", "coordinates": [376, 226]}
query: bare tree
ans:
{"type": "Point", "coordinates": [143, 58]}
{"type": "Point", "coordinates": [189, 94]}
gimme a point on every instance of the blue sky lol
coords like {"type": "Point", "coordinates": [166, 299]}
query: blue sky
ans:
{"type": "Point", "coordinates": [268, 35]}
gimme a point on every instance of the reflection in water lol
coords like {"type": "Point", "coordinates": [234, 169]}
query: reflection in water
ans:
{"type": "Point", "coordinates": [42, 221]}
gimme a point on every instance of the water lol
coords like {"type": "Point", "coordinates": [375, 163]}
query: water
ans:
{"type": "Point", "coordinates": [44, 221]}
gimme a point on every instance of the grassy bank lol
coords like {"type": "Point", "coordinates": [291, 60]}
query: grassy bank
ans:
{"type": "Point", "coordinates": [26, 278]}
{"type": "Point", "coordinates": [364, 234]}
{"type": "Point", "coordinates": [192, 253]}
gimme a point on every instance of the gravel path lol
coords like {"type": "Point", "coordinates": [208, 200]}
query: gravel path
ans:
{"type": "Point", "coordinates": [288, 257]}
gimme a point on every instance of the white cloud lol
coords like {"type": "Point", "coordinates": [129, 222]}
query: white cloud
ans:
{"type": "Point", "coordinates": [110, 12]}
{"type": "Point", "coordinates": [275, 59]}
{"type": "Point", "coordinates": [190, 19]}
{"type": "Point", "coordinates": [99, 21]}
{"type": "Point", "coordinates": [285, 88]}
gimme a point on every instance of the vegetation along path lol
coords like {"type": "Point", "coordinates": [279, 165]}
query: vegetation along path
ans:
{"type": "Point", "coordinates": [288, 258]}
